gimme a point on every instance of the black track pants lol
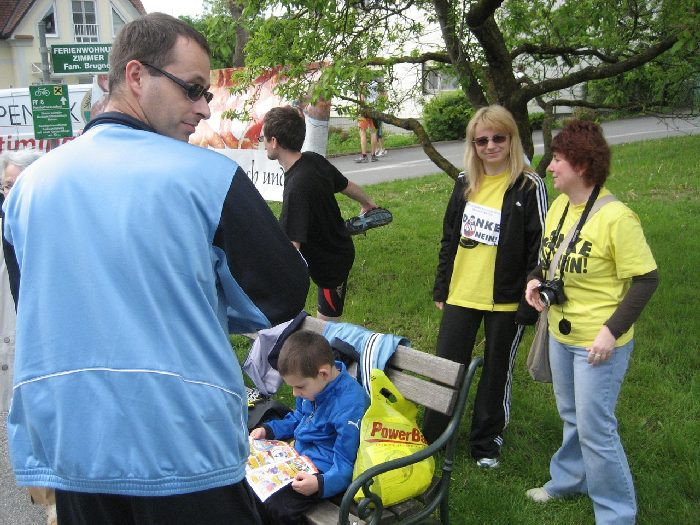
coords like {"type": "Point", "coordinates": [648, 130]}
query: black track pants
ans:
{"type": "Point", "coordinates": [458, 330]}
{"type": "Point", "coordinates": [220, 506]}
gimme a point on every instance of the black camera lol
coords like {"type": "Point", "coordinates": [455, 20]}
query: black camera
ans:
{"type": "Point", "coordinates": [552, 292]}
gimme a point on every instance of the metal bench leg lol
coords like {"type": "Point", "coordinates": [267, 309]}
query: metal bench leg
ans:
{"type": "Point", "coordinates": [445, 511]}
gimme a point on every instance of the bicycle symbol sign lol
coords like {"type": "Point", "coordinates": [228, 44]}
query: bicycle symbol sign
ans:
{"type": "Point", "coordinates": [51, 111]}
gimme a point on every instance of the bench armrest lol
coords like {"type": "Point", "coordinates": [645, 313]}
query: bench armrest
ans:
{"type": "Point", "coordinates": [366, 479]}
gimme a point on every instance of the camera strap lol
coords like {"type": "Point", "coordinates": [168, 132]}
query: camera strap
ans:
{"type": "Point", "coordinates": [569, 241]}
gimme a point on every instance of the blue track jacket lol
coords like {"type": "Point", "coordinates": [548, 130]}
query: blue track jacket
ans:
{"type": "Point", "coordinates": [137, 255]}
{"type": "Point", "coordinates": [327, 430]}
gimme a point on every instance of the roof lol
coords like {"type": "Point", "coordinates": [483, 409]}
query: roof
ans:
{"type": "Point", "coordinates": [13, 11]}
{"type": "Point", "coordinates": [11, 14]}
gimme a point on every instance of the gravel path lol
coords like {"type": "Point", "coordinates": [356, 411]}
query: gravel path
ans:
{"type": "Point", "coordinates": [15, 506]}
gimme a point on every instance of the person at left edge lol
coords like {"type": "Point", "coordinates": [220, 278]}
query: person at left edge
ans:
{"type": "Point", "coordinates": [138, 254]}
{"type": "Point", "coordinates": [16, 503]}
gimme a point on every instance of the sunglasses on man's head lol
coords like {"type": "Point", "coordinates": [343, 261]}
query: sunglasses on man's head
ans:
{"type": "Point", "coordinates": [496, 139]}
{"type": "Point", "coordinates": [194, 91]}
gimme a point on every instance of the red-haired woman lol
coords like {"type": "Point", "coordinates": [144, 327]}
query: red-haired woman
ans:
{"type": "Point", "coordinates": [601, 284]}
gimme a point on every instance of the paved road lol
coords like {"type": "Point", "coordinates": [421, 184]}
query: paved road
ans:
{"type": "Point", "coordinates": [412, 162]}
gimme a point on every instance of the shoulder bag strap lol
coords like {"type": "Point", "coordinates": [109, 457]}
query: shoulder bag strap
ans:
{"type": "Point", "coordinates": [598, 204]}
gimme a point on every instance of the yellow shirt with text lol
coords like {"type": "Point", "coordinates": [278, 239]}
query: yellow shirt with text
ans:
{"type": "Point", "coordinates": [611, 249]}
{"type": "Point", "coordinates": [471, 285]}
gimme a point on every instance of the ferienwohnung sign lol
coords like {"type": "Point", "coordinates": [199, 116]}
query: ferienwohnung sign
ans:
{"type": "Point", "coordinates": [72, 59]}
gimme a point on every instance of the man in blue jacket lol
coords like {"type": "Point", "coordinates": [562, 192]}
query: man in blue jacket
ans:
{"type": "Point", "coordinates": [138, 254]}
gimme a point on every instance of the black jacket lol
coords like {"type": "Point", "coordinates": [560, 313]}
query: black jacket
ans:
{"type": "Point", "coordinates": [522, 221]}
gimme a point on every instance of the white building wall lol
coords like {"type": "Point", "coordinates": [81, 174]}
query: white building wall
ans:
{"type": "Point", "coordinates": [21, 51]}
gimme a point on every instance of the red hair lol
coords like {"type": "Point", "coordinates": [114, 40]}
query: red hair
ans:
{"type": "Point", "coordinates": [582, 144]}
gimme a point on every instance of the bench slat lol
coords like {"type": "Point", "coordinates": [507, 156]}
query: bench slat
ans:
{"type": "Point", "coordinates": [428, 365]}
{"type": "Point", "coordinates": [314, 324]}
{"type": "Point", "coordinates": [422, 392]}
{"type": "Point", "coordinates": [405, 358]}
{"type": "Point", "coordinates": [326, 513]}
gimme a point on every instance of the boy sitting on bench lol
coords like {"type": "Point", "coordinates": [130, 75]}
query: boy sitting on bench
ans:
{"type": "Point", "coordinates": [325, 426]}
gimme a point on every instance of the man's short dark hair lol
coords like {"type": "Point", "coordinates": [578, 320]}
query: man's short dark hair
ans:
{"type": "Point", "coordinates": [304, 353]}
{"type": "Point", "coordinates": [287, 125]}
{"type": "Point", "coordinates": [149, 39]}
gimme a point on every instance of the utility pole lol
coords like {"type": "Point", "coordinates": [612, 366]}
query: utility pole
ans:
{"type": "Point", "coordinates": [45, 71]}
{"type": "Point", "coordinates": [44, 51]}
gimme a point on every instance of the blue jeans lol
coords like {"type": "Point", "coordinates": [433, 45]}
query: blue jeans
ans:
{"type": "Point", "coordinates": [591, 459]}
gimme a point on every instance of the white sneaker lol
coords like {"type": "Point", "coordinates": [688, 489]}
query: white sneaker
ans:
{"type": "Point", "coordinates": [381, 153]}
{"type": "Point", "coordinates": [539, 495]}
{"type": "Point", "coordinates": [487, 462]}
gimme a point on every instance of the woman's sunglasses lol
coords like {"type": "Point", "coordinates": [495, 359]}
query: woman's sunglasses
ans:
{"type": "Point", "coordinates": [194, 91]}
{"type": "Point", "coordinates": [496, 139]}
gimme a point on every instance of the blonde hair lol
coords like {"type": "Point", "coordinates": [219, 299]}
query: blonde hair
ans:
{"type": "Point", "coordinates": [500, 119]}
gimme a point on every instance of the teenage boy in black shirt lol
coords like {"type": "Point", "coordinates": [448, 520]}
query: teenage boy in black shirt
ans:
{"type": "Point", "coordinates": [310, 215]}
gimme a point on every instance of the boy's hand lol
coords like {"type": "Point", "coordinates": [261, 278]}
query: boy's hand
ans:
{"type": "Point", "coordinates": [306, 484]}
{"type": "Point", "coordinates": [258, 433]}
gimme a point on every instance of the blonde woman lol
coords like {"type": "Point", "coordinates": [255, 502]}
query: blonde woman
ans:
{"type": "Point", "coordinates": [491, 237]}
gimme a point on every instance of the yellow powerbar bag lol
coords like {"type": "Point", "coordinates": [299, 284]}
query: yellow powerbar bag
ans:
{"type": "Point", "coordinates": [389, 431]}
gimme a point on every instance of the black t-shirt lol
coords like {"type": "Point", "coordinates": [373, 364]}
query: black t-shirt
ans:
{"type": "Point", "coordinates": [310, 216]}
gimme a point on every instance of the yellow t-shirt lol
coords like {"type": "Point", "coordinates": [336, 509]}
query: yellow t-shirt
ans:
{"type": "Point", "coordinates": [471, 285]}
{"type": "Point", "coordinates": [611, 249]}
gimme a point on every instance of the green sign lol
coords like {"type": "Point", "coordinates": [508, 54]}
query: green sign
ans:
{"type": "Point", "coordinates": [72, 59]}
{"type": "Point", "coordinates": [51, 111]}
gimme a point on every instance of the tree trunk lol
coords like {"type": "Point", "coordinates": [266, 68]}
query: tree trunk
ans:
{"type": "Point", "coordinates": [242, 36]}
{"type": "Point", "coordinates": [547, 139]}
{"type": "Point", "coordinates": [518, 108]}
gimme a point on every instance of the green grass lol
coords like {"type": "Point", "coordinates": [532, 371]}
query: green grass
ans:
{"type": "Point", "coordinates": [659, 410]}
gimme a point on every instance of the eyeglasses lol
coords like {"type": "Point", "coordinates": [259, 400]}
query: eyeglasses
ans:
{"type": "Point", "coordinates": [194, 91]}
{"type": "Point", "coordinates": [261, 138]}
{"type": "Point", "coordinates": [496, 139]}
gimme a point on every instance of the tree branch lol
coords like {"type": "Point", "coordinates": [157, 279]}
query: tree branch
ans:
{"type": "Point", "coordinates": [561, 51]}
{"type": "Point", "coordinates": [455, 51]}
{"type": "Point", "coordinates": [632, 106]}
{"type": "Point", "coordinates": [599, 71]}
{"type": "Point", "coordinates": [431, 56]}
{"type": "Point", "coordinates": [481, 11]}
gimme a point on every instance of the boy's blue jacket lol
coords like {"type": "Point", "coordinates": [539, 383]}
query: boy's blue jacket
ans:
{"type": "Point", "coordinates": [327, 430]}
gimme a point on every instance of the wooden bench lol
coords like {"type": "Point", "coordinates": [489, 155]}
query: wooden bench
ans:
{"type": "Point", "coordinates": [429, 381]}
